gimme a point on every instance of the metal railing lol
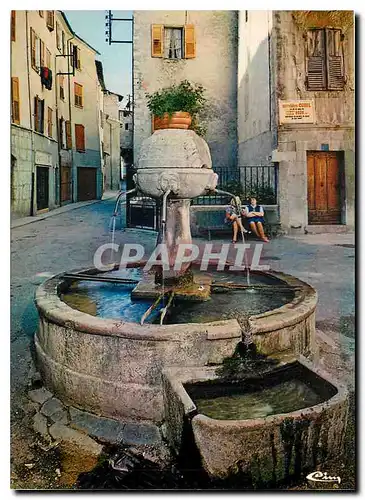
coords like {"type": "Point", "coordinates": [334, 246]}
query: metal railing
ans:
{"type": "Point", "coordinates": [260, 181]}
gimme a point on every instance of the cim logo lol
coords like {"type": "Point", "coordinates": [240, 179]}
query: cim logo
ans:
{"type": "Point", "coordinates": [323, 477]}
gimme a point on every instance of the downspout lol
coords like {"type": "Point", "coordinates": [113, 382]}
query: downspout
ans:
{"type": "Point", "coordinates": [70, 117]}
{"type": "Point", "coordinates": [32, 192]}
{"type": "Point", "coordinates": [58, 134]}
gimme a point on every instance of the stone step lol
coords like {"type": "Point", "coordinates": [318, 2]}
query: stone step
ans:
{"type": "Point", "coordinates": [327, 228]}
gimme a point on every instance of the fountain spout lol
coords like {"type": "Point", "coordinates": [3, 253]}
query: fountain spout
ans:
{"type": "Point", "coordinates": [122, 193]}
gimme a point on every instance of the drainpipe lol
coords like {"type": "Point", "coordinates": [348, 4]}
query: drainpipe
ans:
{"type": "Point", "coordinates": [70, 115]}
{"type": "Point", "coordinates": [58, 133]}
{"type": "Point", "coordinates": [32, 192]}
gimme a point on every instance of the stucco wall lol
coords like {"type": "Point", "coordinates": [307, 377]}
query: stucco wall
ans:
{"type": "Point", "coordinates": [215, 67]}
{"type": "Point", "coordinates": [254, 128]}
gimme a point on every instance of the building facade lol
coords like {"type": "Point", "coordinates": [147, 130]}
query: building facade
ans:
{"type": "Point", "coordinates": [205, 53]}
{"type": "Point", "coordinates": [280, 88]}
{"type": "Point", "coordinates": [296, 110]}
{"type": "Point", "coordinates": [54, 130]}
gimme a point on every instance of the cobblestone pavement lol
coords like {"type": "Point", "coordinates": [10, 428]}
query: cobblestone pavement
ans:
{"type": "Point", "coordinates": [68, 240]}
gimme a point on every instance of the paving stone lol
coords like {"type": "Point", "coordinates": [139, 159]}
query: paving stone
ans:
{"type": "Point", "coordinates": [52, 406]}
{"type": "Point", "coordinates": [134, 433]}
{"type": "Point", "coordinates": [40, 395]}
{"type": "Point", "coordinates": [60, 416]}
{"type": "Point", "coordinates": [40, 424]}
{"type": "Point", "coordinates": [61, 432]}
{"type": "Point", "coordinates": [105, 429]}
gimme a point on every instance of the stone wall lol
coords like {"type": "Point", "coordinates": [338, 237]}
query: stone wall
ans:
{"type": "Point", "coordinates": [334, 121]}
{"type": "Point", "coordinates": [215, 67]}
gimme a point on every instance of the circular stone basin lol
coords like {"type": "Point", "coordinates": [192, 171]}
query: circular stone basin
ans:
{"type": "Point", "coordinates": [112, 365]}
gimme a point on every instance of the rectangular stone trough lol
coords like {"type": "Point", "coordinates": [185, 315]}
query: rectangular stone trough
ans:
{"type": "Point", "coordinates": [269, 450]}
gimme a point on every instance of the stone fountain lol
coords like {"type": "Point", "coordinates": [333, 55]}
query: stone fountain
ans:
{"type": "Point", "coordinates": [117, 368]}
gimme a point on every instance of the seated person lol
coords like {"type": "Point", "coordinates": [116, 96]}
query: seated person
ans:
{"type": "Point", "coordinates": [255, 217]}
{"type": "Point", "coordinates": [233, 217]}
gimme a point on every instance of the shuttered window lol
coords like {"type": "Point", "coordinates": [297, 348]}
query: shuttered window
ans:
{"type": "Point", "coordinates": [58, 37]}
{"type": "Point", "coordinates": [49, 121]}
{"type": "Point", "coordinates": [78, 95]}
{"type": "Point", "coordinates": [62, 88]}
{"type": "Point", "coordinates": [50, 20]}
{"type": "Point", "coordinates": [60, 132]}
{"type": "Point", "coordinates": [80, 138]}
{"type": "Point", "coordinates": [63, 43]}
{"type": "Point", "coordinates": [39, 114]}
{"type": "Point", "coordinates": [173, 42]}
{"type": "Point", "coordinates": [15, 101]}
{"type": "Point", "coordinates": [48, 59]}
{"type": "Point", "coordinates": [68, 134]}
{"type": "Point", "coordinates": [13, 25]}
{"type": "Point", "coordinates": [325, 68]}
{"type": "Point", "coordinates": [33, 40]}
{"type": "Point", "coordinates": [190, 46]}
{"type": "Point", "coordinates": [41, 47]}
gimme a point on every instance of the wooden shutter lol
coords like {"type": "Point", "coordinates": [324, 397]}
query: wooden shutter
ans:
{"type": "Point", "coordinates": [41, 48]}
{"type": "Point", "coordinates": [78, 89]}
{"type": "Point", "coordinates": [189, 41]}
{"type": "Point", "coordinates": [48, 59]}
{"type": "Point", "coordinates": [13, 25]}
{"type": "Point", "coordinates": [157, 40]}
{"type": "Point", "coordinates": [49, 121]}
{"type": "Point", "coordinates": [50, 20]}
{"type": "Point", "coordinates": [316, 60]}
{"type": "Point", "coordinates": [62, 90]}
{"type": "Point", "coordinates": [335, 66]}
{"type": "Point", "coordinates": [36, 113]}
{"type": "Point", "coordinates": [41, 115]}
{"type": "Point", "coordinates": [68, 135]}
{"type": "Point", "coordinates": [80, 137]}
{"type": "Point", "coordinates": [78, 58]}
{"type": "Point", "coordinates": [32, 48]}
{"type": "Point", "coordinates": [15, 101]}
{"type": "Point", "coordinates": [58, 38]}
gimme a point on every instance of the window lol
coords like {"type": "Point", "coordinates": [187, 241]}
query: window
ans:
{"type": "Point", "coordinates": [78, 95]}
{"type": "Point", "coordinates": [39, 115]}
{"type": "Point", "coordinates": [48, 59]}
{"type": "Point", "coordinates": [76, 56]}
{"type": "Point", "coordinates": [49, 122]}
{"type": "Point", "coordinates": [173, 42]}
{"type": "Point", "coordinates": [58, 37]}
{"type": "Point", "coordinates": [41, 13]}
{"type": "Point", "coordinates": [15, 101]}
{"type": "Point", "coordinates": [61, 122]}
{"type": "Point", "coordinates": [50, 20]}
{"type": "Point", "coordinates": [34, 47]}
{"type": "Point", "coordinates": [13, 25]}
{"type": "Point", "coordinates": [68, 134]}
{"type": "Point", "coordinates": [324, 62]}
{"type": "Point", "coordinates": [62, 88]}
{"type": "Point", "coordinates": [41, 48]}
{"type": "Point", "coordinates": [63, 43]}
{"type": "Point", "coordinates": [80, 138]}
{"type": "Point", "coordinates": [125, 113]}
{"type": "Point", "coordinates": [126, 126]}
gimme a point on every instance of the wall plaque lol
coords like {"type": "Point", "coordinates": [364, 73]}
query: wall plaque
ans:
{"type": "Point", "coordinates": [296, 111]}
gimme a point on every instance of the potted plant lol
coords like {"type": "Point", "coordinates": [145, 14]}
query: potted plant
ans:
{"type": "Point", "coordinates": [176, 106]}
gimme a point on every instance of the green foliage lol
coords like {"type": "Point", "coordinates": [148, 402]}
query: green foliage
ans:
{"type": "Point", "coordinates": [186, 97]}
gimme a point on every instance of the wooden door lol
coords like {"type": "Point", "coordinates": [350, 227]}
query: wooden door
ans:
{"type": "Point", "coordinates": [65, 184]}
{"type": "Point", "coordinates": [86, 183]}
{"type": "Point", "coordinates": [42, 188]}
{"type": "Point", "coordinates": [324, 188]}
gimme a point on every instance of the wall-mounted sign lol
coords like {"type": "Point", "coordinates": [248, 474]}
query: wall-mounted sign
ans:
{"type": "Point", "coordinates": [296, 111]}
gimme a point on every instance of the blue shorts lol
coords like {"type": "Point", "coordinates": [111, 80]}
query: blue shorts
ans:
{"type": "Point", "coordinates": [255, 219]}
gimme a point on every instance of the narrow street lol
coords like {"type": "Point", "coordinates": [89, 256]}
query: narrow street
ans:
{"type": "Point", "coordinates": [68, 241]}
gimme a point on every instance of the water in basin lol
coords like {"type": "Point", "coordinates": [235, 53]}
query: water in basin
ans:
{"type": "Point", "coordinates": [113, 300]}
{"type": "Point", "coordinates": [283, 397]}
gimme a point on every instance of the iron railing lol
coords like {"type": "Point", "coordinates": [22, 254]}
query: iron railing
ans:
{"type": "Point", "coordinates": [259, 181]}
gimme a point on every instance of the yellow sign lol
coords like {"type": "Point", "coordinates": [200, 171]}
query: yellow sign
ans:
{"type": "Point", "coordinates": [296, 111]}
